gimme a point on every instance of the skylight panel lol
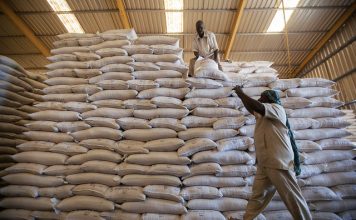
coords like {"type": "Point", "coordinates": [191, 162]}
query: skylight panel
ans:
{"type": "Point", "coordinates": [278, 24]}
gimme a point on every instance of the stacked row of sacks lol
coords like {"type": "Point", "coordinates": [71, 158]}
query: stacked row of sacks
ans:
{"type": "Point", "coordinates": [19, 89]}
{"type": "Point", "coordinates": [74, 165]}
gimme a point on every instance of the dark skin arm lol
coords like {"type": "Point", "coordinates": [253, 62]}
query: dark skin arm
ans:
{"type": "Point", "coordinates": [196, 54]}
{"type": "Point", "coordinates": [250, 104]}
{"type": "Point", "coordinates": [216, 52]}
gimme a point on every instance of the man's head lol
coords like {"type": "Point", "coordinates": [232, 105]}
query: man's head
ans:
{"type": "Point", "coordinates": [270, 96]}
{"type": "Point", "coordinates": [200, 28]}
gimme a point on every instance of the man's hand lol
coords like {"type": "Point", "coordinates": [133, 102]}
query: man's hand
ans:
{"type": "Point", "coordinates": [238, 90]}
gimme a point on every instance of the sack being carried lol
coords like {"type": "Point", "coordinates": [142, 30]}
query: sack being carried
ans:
{"type": "Point", "coordinates": [208, 68]}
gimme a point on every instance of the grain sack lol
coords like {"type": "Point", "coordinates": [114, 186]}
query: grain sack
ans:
{"type": "Point", "coordinates": [325, 102]}
{"type": "Point", "coordinates": [33, 180]}
{"type": "Point", "coordinates": [261, 79]}
{"type": "Point", "coordinates": [206, 133]}
{"type": "Point", "coordinates": [158, 40]}
{"type": "Point", "coordinates": [207, 180]}
{"type": "Point", "coordinates": [302, 123]}
{"type": "Point", "coordinates": [127, 147]}
{"type": "Point", "coordinates": [137, 49]}
{"type": "Point", "coordinates": [127, 123]}
{"type": "Point", "coordinates": [144, 180]}
{"type": "Point", "coordinates": [98, 167]}
{"type": "Point", "coordinates": [166, 49]}
{"type": "Point", "coordinates": [199, 102]}
{"type": "Point", "coordinates": [59, 192]}
{"type": "Point", "coordinates": [35, 146]}
{"type": "Point", "coordinates": [109, 103]}
{"type": "Point", "coordinates": [111, 76]}
{"type": "Point", "coordinates": [102, 155]}
{"type": "Point", "coordinates": [330, 179]}
{"type": "Point", "coordinates": [172, 66]}
{"type": "Point", "coordinates": [104, 144]}
{"type": "Point", "coordinates": [321, 133]}
{"type": "Point", "coordinates": [173, 83]}
{"type": "Point", "coordinates": [331, 123]}
{"type": "Point", "coordinates": [237, 170]}
{"type": "Point", "coordinates": [327, 156]}
{"type": "Point", "coordinates": [311, 92]}
{"type": "Point", "coordinates": [120, 215]}
{"type": "Point", "coordinates": [19, 191]}
{"type": "Point", "coordinates": [208, 68]}
{"type": "Point", "coordinates": [170, 123]}
{"type": "Point", "coordinates": [168, 144]}
{"type": "Point", "coordinates": [204, 169]}
{"type": "Point", "coordinates": [54, 115]}
{"type": "Point", "coordinates": [144, 66]}
{"type": "Point", "coordinates": [127, 168]}
{"type": "Point", "coordinates": [108, 113]}
{"type": "Point", "coordinates": [283, 84]}
{"type": "Point", "coordinates": [326, 216]}
{"type": "Point", "coordinates": [307, 146]}
{"type": "Point", "coordinates": [42, 126]}
{"type": "Point", "coordinates": [201, 83]}
{"type": "Point", "coordinates": [11, 71]}
{"type": "Point", "coordinates": [155, 206]}
{"type": "Point", "coordinates": [83, 215]}
{"type": "Point", "coordinates": [202, 214]}
{"type": "Point", "coordinates": [109, 44]}
{"type": "Point", "coordinates": [282, 214]}
{"type": "Point", "coordinates": [67, 72]}
{"type": "Point", "coordinates": [4, 77]}
{"type": "Point", "coordinates": [117, 68]}
{"type": "Point", "coordinates": [311, 170]}
{"type": "Point", "coordinates": [110, 52]}
{"type": "Point", "coordinates": [215, 112]}
{"type": "Point", "coordinates": [315, 82]}
{"type": "Point", "coordinates": [345, 191]}
{"type": "Point", "coordinates": [254, 91]}
{"type": "Point", "coordinates": [336, 144]}
{"type": "Point", "coordinates": [122, 194]}
{"type": "Point", "coordinates": [127, 34]}
{"type": "Point", "coordinates": [221, 204]}
{"type": "Point", "coordinates": [151, 93]}
{"type": "Point", "coordinates": [163, 192]}
{"type": "Point", "coordinates": [9, 127]}
{"type": "Point", "coordinates": [45, 158]}
{"type": "Point", "coordinates": [334, 206]}
{"type": "Point", "coordinates": [317, 112]}
{"type": "Point", "coordinates": [142, 84]}
{"type": "Point", "coordinates": [65, 98]}
{"type": "Point", "coordinates": [9, 103]}
{"type": "Point", "coordinates": [10, 141]}
{"type": "Point", "coordinates": [102, 122]}
{"type": "Point", "coordinates": [11, 111]}
{"type": "Point", "coordinates": [200, 192]}
{"type": "Point", "coordinates": [69, 50]}
{"type": "Point", "coordinates": [65, 81]}
{"type": "Point", "coordinates": [15, 97]}
{"type": "Point", "coordinates": [48, 136]}
{"type": "Point", "coordinates": [68, 127]}
{"type": "Point", "coordinates": [93, 178]}
{"type": "Point", "coordinates": [114, 94]}
{"type": "Point", "coordinates": [223, 157]}
{"type": "Point", "coordinates": [14, 214]}
{"type": "Point", "coordinates": [58, 170]}
{"type": "Point", "coordinates": [155, 58]}
{"type": "Point", "coordinates": [153, 75]}
{"type": "Point", "coordinates": [340, 166]}
{"type": "Point", "coordinates": [85, 203]}
{"type": "Point", "coordinates": [137, 104]}
{"type": "Point", "coordinates": [229, 123]}
{"type": "Point", "coordinates": [149, 134]}
{"type": "Point", "coordinates": [169, 169]}
{"type": "Point", "coordinates": [167, 102]}
{"type": "Point", "coordinates": [243, 192]}
{"type": "Point", "coordinates": [195, 145]}
{"type": "Point", "coordinates": [32, 168]}
{"type": "Point", "coordinates": [161, 113]}
{"type": "Point", "coordinates": [43, 204]}
{"type": "Point", "coordinates": [67, 148]}
{"type": "Point", "coordinates": [318, 193]}
{"type": "Point", "coordinates": [210, 93]}
{"type": "Point", "coordinates": [86, 56]}
{"type": "Point", "coordinates": [196, 122]}
{"type": "Point", "coordinates": [153, 216]}
{"type": "Point", "coordinates": [157, 158]}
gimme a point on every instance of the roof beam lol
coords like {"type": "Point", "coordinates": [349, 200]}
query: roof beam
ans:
{"type": "Point", "coordinates": [235, 26]}
{"type": "Point", "coordinates": [23, 28]}
{"type": "Point", "coordinates": [325, 39]}
{"type": "Point", "coordinates": [123, 14]}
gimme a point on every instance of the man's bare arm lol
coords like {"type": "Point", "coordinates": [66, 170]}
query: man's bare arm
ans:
{"type": "Point", "coordinates": [250, 104]}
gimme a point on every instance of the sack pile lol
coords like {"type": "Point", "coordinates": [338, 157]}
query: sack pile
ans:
{"type": "Point", "coordinates": [19, 91]}
{"type": "Point", "coordinates": [121, 135]}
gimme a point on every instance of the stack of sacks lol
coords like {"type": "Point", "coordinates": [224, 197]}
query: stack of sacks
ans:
{"type": "Point", "coordinates": [19, 89]}
{"type": "Point", "coordinates": [328, 175]}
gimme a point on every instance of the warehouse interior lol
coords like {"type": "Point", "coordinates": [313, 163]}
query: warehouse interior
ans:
{"type": "Point", "coordinates": [60, 120]}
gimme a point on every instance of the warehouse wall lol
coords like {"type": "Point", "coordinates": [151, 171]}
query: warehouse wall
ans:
{"type": "Point", "coordinates": [337, 61]}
